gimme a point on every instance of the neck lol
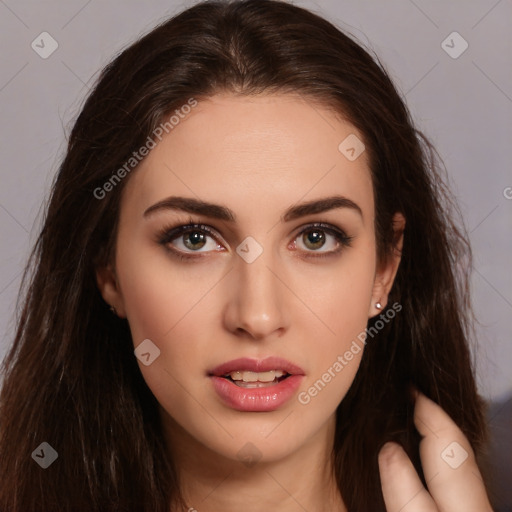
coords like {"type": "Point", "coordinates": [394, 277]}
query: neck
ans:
{"type": "Point", "coordinates": [303, 480]}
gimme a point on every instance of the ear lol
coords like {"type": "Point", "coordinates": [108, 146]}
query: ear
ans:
{"type": "Point", "coordinates": [387, 270]}
{"type": "Point", "coordinates": [109, 288]}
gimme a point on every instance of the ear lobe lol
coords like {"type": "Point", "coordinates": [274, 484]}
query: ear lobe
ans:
{"type": "Point", "coordinates": [385, 275]}
{"type": "Point", "coordinates": [109, 289]}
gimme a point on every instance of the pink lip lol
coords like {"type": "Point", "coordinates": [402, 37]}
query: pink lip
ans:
{"type": "Point", "coordinates": [255, 365]}
{"type": "Point", "coordinates": [256, 399]}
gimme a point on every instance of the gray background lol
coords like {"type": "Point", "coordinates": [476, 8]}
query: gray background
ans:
{"type": "Point", "coordinates": [463, 104]}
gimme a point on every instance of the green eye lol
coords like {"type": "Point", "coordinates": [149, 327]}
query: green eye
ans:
{"type": "Point", "coordinates": [316, 236]}
{"type": "Point", "coordinates": [194, 237]}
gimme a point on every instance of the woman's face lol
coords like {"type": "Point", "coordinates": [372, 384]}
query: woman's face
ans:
{"type": "Point", "coordinates": [261, 282]}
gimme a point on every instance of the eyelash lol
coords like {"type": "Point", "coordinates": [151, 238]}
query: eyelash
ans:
{"type": "Point", "coordinates": [170, 233]}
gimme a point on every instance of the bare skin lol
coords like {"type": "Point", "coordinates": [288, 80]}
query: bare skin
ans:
{"type": "Point", "coordinates": [454, 482]}
{"type": "Point", "coordinates": [258, 157]}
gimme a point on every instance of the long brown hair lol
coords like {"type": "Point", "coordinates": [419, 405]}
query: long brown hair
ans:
{"type": "Point", "coordinates": [71, 378]}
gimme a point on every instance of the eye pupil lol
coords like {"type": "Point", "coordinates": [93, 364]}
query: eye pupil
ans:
{"type": "Point", "coordinates": [196, 238]}
{"type": "Point", "coordinates": [314, 239]}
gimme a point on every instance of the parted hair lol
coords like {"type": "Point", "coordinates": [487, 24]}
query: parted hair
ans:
{"type": "Point", "coordinates": [70, 377]}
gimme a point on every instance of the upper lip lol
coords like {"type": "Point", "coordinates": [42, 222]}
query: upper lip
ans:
{"type": "Point", "coordinates": [256, 365]}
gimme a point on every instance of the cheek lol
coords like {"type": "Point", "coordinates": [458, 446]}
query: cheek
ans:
{"type": "Point", "coordinates": [157, 293]}
{"type": "Point", "coordinates": [340, 296]}
{"type": "Point", "coordinates": [166, 305]}
{"type": "Point", "coordinates": [342, 303]}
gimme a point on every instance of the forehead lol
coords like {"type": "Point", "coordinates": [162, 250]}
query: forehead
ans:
{"type": "Point", "coordinates": [255, 153]}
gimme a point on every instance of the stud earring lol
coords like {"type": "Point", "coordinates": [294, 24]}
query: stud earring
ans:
{"type": "Point", "coordinates": [378, 305]}
{"type": "Point", "coordinates": [113, 309]}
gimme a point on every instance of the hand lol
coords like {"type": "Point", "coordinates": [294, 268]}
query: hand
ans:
{"type": "Point", "coordinates": [453, 479]}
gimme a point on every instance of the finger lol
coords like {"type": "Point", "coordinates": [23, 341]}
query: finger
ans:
{"type": "Point", "coordinates": [401, 486]}
{"type": "Point", "coordinates": [448, 461]}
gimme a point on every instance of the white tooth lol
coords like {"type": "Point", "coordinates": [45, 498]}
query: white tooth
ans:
{"type": "Point", "coordinates": [250, 376]}
{"type": "Point", "coordinates": [247, 376]}
{"type": "Point", "coordinates": [266, 376]}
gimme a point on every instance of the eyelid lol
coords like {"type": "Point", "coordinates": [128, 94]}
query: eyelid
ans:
{"type": "Point", "coordinates": [321, 225]}
{"type": "Point", "coordinates": [344, 241]}
{"type": "Point", "coordinates": [168, 234]}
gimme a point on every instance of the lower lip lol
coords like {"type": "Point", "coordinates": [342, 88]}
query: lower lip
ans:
{"type": "Point", "coordinates": [256, 399]}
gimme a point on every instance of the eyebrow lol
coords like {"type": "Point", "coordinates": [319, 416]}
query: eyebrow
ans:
{"type": "Point", "coordinates": [216, 211]}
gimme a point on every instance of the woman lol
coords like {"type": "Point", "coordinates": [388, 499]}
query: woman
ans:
{"type": "Point", "coordinates": [313, 354]}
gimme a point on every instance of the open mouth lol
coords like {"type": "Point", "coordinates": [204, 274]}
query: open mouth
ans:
{"type": "Point", "coordinates": [256, 380]}
{"type": "Point", "coordinates": [250, 385]}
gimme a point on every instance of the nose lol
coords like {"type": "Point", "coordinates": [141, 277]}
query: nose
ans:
{"type": "Point", "coordinates": [255, 308]}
